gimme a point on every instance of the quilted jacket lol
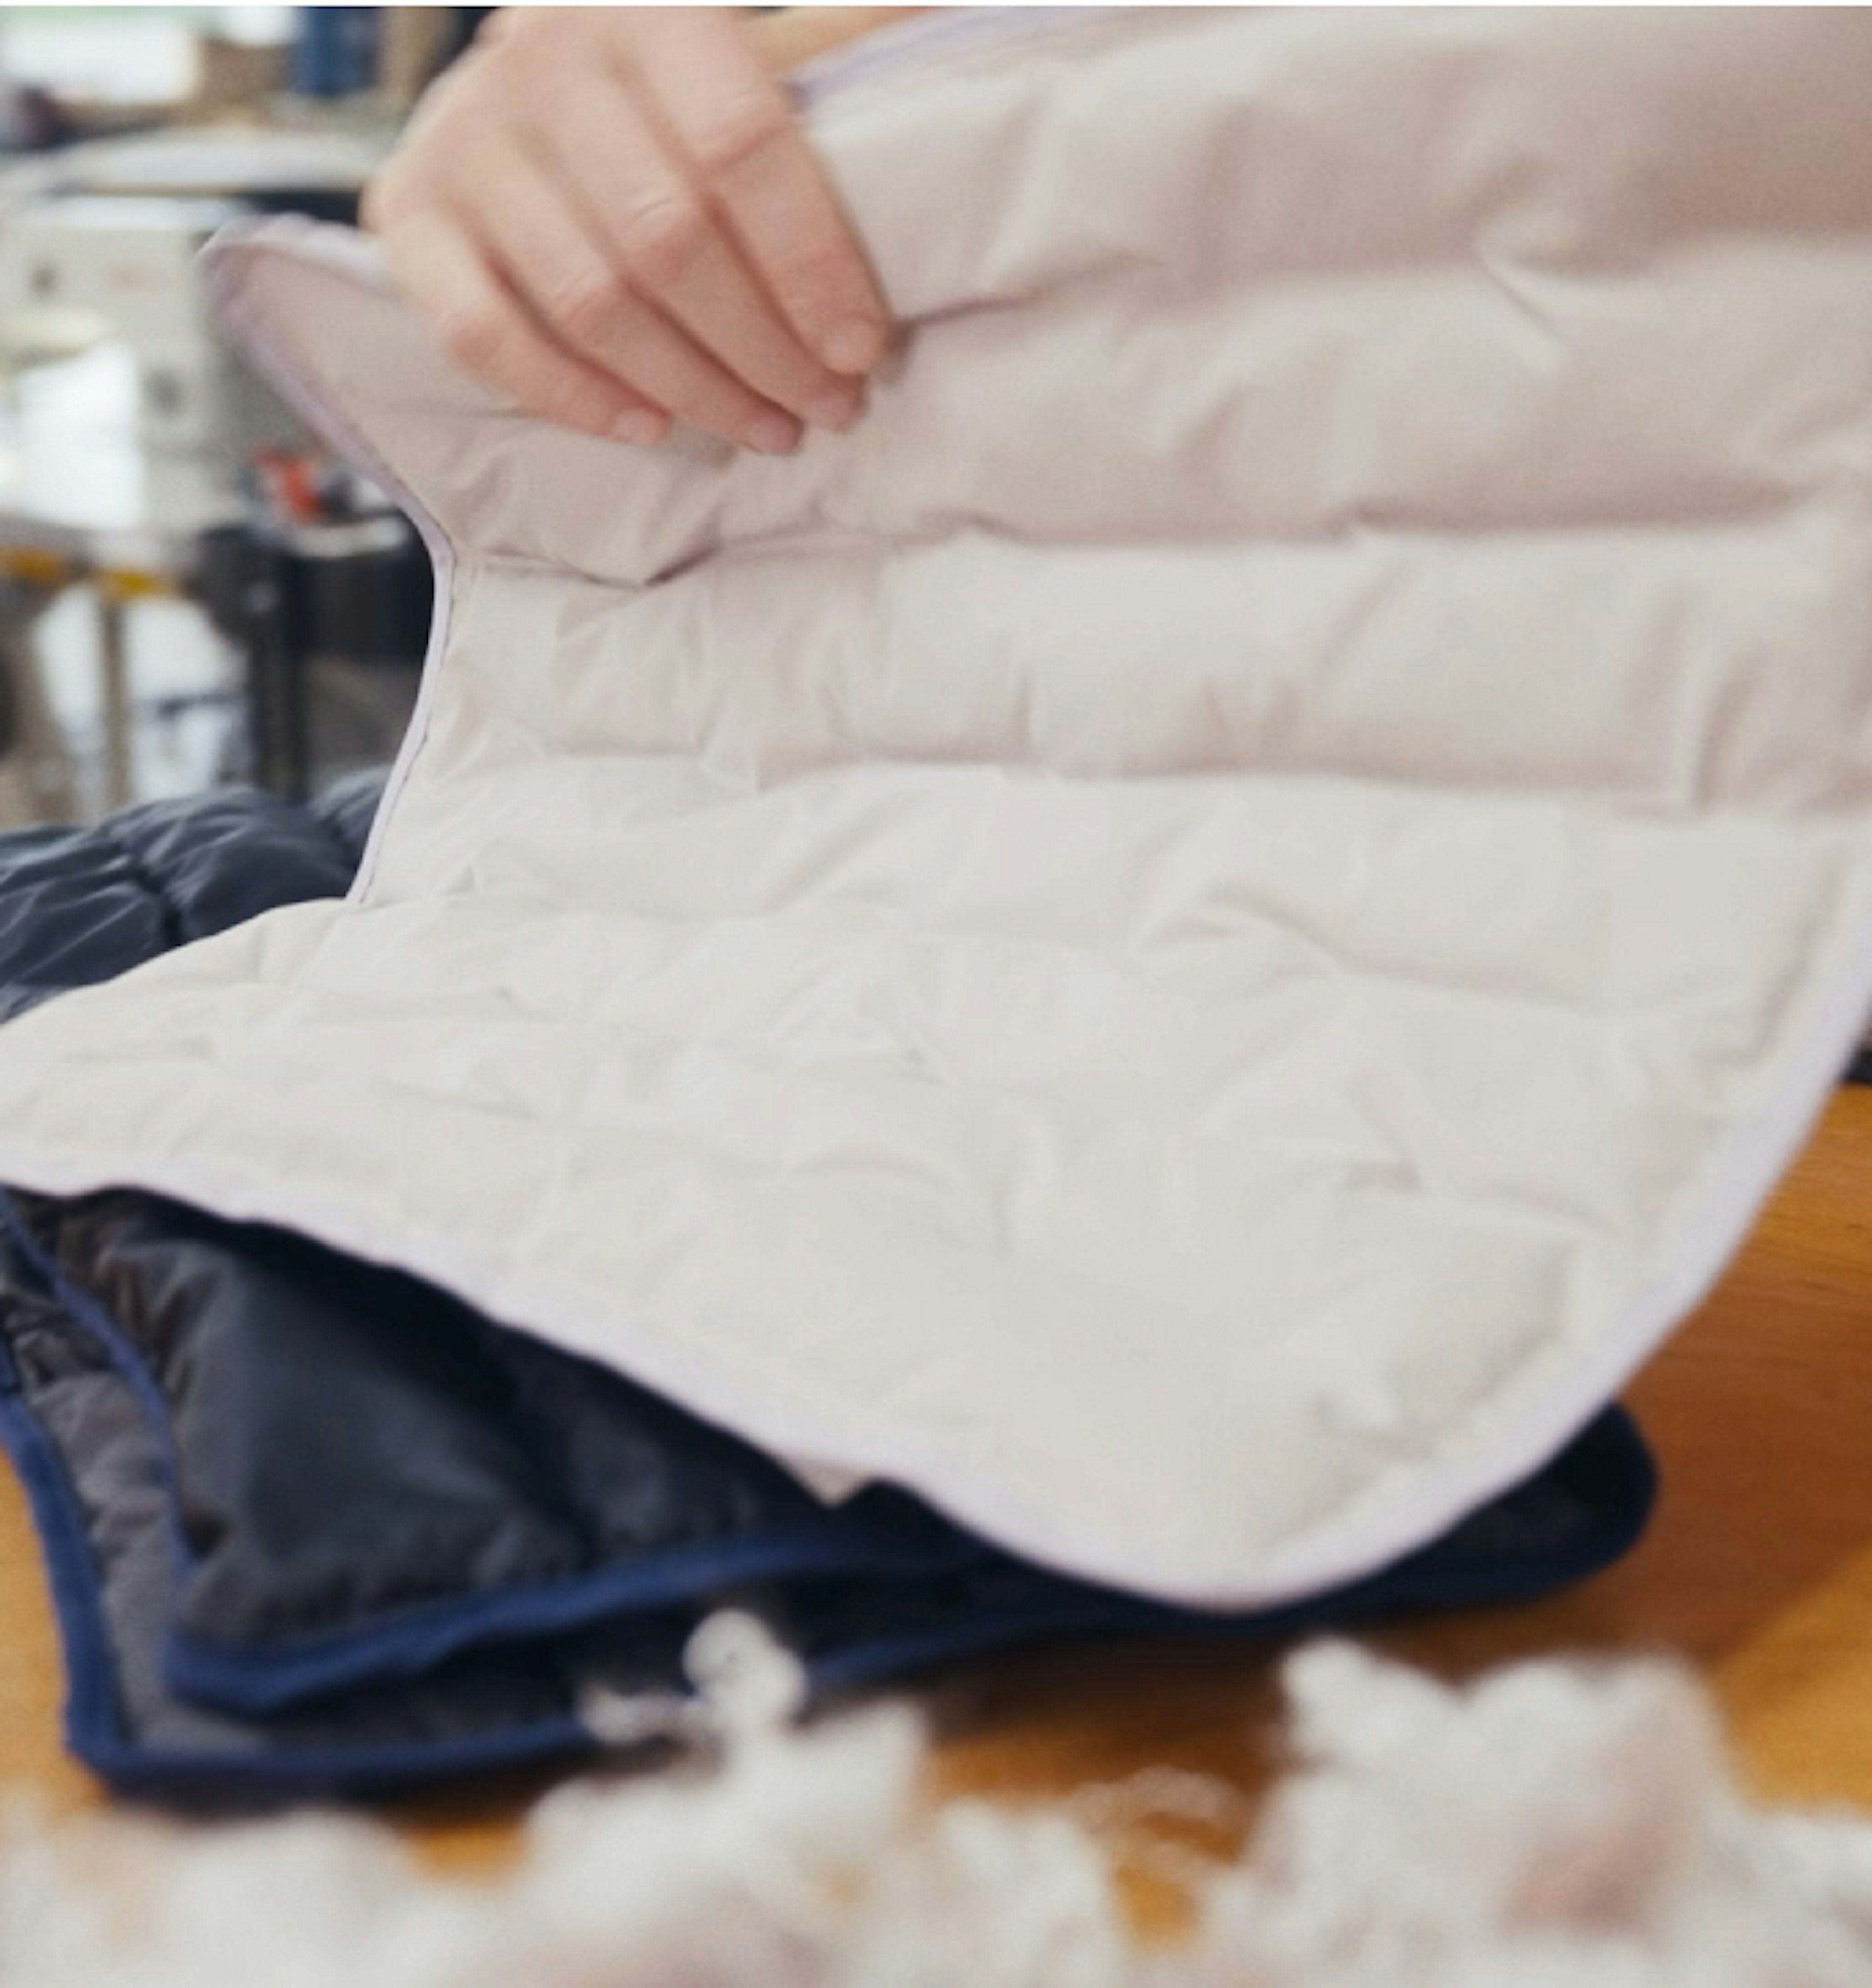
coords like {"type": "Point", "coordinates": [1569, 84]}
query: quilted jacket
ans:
{"type": "Point", "coordinates": [1128, 995]}
{"type": "Point", "coordinates": [313, 1524]}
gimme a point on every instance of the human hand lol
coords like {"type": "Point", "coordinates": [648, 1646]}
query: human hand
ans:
{"type": "Point", "coordinates": [611, 215]}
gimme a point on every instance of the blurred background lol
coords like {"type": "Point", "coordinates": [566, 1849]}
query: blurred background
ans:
{"type": "Point", "coordinates": [191, 593]}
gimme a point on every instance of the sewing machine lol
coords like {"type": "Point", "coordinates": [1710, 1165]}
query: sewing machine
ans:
{"type": "Point", "coordinates": [113, 472]}
{"type": "Point", "coordinates": [99, 242]}
{"type": "Point", "coordinates": [121, 471]}
{"type": "Point", "coordinates": [78, 271]}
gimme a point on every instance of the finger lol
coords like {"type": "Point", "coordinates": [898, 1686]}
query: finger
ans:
{"type": "Point", "coordinates": [534, 230]}
{"type": "Point", "coordinates": [489, 333]}
{"type": "Point", "coordinates": [662, 231]}
{"type": "Point", "coordinates": [734, 121]}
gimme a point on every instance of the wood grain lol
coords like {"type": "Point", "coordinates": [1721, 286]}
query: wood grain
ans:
{"type": "Point", "coordinates": [1758, 1569]}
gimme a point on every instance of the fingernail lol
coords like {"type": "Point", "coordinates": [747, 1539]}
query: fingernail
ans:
{"type": "Point", "coordinates": [855, 346]}
{"type": "Point", "coordinates": [639, 426]}
{"type": "Point", "coordinates": [837, 408]}
{"type": "Point", "coordinates": [773, 434]}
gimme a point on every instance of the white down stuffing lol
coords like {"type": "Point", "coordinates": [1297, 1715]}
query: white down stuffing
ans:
{"type": "Point", "coordinates": [1550, 1826]}
{"type": "Point", "coordinates": [1194, 940]}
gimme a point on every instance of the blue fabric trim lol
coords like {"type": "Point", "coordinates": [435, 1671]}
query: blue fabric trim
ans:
{"type": "Point", "coordinates": [266, 1677]}
{"type": "Point", "coordinates": [91, 1713]}
{"type": "Point", "coordinates": [255, 1780]}
{"type": "Point", "coordinates": [1424, 1580]}
{"type": "Point", "coordinates": [91, 1317]}
{"type": "Point", "coordinates": [93, 1724]}
{"type": "Point", "coordinates": [269, 1676]}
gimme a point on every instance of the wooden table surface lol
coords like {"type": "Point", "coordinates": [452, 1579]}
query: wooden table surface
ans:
{"type": "Point", "coordinates": [1758, 1568]}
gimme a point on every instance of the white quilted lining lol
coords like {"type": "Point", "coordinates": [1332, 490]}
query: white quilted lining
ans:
{"type": "Point", "coordinates": [1194, 941]}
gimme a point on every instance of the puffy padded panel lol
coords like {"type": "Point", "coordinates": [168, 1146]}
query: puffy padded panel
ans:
{"type": "Point", "coordinates": [1192, 942]}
